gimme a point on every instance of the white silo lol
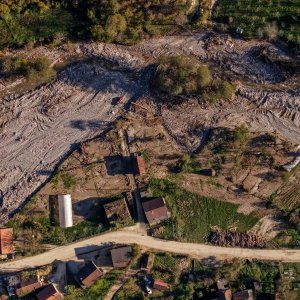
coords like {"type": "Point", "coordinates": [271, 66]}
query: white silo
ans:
{"type": "Point", "coordinates": [65, 211]}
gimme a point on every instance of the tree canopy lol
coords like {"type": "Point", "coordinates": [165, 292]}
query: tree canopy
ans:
{"type": "Point", "coordinates": [183, 76]}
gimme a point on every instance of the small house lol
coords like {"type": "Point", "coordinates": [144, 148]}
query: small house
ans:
{"type": "Point", "coordinates": [121, 256]}
{"type": "Point", "coordinates": [50, 292]}
{"type": "Point", "coordinates": [156, 210]}
{"type": "Point", "coordinates": [89, 274]}
{"type": "Point", "coordinates": [243, 295]}
{"type": "Point", "coordinates": [28, 286]}
{"type": "Point", "coordinates": [6, 241]}
{"type": "Point", "coordinates": [160, 285]}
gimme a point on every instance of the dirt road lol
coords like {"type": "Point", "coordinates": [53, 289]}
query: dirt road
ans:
{"type": "Point", "coordinates": [130, 235]}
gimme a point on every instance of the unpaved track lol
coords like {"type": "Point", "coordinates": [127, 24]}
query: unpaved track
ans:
{"type": "Point", "coordinates": [199, 251]}
{"type": "Point", "coordinates": [39, 127]}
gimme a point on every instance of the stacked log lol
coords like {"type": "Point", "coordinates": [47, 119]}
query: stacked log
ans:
{"type": "Point", "coordinates": [236, 239]}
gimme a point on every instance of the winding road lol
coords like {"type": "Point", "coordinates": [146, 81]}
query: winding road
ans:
{"type": "Point", "coordinates": [132, 235]}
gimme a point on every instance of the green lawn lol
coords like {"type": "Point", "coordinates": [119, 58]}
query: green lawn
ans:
{"type": "Point", "coordinates": [97, 291]}
{"type": "Point", "coordinates": [261, 18]}
{"type": "Point", "coordinates": [194, 216]}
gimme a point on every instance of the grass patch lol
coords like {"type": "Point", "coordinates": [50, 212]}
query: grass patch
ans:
{"type": "Point", "coordinates": [68, 180]}
{"type": "Point", "coordinates": [98, 290]}
{"type": "Point", "coordinates": [261, 19]}
{"type": "Point", "coordinates": [193, 216]}
{"type": "Point", "coordinates": [166, 267]}
{"type": "Point", "coordinates": [188, 164]}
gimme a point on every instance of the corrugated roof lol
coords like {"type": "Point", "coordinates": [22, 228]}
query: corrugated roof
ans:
{"type": "Point", "coordinates": [89, 274]}
{"type": "Point", "coordinates": [121, 256]}
{"type": "Point", "coordinates": [155, 210]}
{"type": "Point", "coordinates": [6, 241]}
{"type": "Point", "coordinates": [141, 165]}
{"type": "Point", "coordinates": [49, 293]}
{"type": "Point", "coordinates": [28, 286]}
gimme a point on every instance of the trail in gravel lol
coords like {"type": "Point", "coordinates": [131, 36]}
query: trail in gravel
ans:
{"type": "Point", "coordinates": [38, 127]}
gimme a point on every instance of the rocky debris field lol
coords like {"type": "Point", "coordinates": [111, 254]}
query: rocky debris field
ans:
{"type": "Point", "coordinates": [38, 127]}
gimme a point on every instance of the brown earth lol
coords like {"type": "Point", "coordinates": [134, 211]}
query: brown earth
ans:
{"type": "Point", "coordinates": [38, 127]}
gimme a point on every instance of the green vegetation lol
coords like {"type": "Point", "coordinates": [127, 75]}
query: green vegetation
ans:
{"type": "Point", "coordinates": [193, 216]}
{"type": "Point", "coordinates": [98, 290]}
{"type": "Point", "coordinates": [261, 19]}
{"type": "Point", "coordinates": [130, 291]}
{"type": "Point", "coordinates": [241, 135]}
{"type": "Point", "coordinates": [68, 180]}
{"type": "Point", "coordinates": [43, 21]}
{"type": "Point", "coordinates": [288, 238]}
{"type": "Point", "coordinates": [38, 69]}
{"type": "Point", "coordinates": [35, 227]}
{"type": "Point", "coordinates": [241, 275]}
{"type": "Point", "coordinates": [183, 76]}
{"type": "Point", "coordinates": [24, 22]}
{"type": "Point", "coordinates": [188, 164]}
{"type": "Point", "coordinates": [167, 267]}
{"type": "Point", "coordinates": [274, 277]}
{"type": "Point", "coordinates": [19, 27]}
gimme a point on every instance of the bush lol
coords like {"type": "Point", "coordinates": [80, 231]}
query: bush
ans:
{"type": "Point", "coordinates": [37, 69]}
{"type": "Point", "coordinates": [68, 180]}
{"type": "Point", "coordinates": [241, 134]}
{"type": "Point", "coordinates": [181, 75]}
{"type": "Point", "coordinates": [115, 25]}
{"type": "Point", "coordinates": [226, 90]}
{"type": "Point", "coordinates": [188, 164]}
{"type": "Point", "coordinates": [98, 32]}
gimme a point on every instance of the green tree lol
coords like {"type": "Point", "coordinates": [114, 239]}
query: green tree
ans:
{"type": "Point", "coordinates": [115, 25]}
{"type": "Point", "coordinates": [241, 134]}
{"type": "Point", "coordinates": [226, 90]}
{"type": "Point", "coordinates": [203, 76]}
{"type": "Point", "coordinates": [98, 32]}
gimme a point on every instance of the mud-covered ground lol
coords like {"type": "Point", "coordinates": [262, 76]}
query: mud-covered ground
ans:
{"type": "Point", "coordinates": [39, 126]}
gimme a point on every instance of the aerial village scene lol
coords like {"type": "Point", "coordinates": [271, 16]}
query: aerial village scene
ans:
{"type": "Point", "coordinates": [149, 150]}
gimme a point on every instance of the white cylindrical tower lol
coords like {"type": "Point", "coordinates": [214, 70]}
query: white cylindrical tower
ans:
{"type": "Point", "coordinates": [65, 211]}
